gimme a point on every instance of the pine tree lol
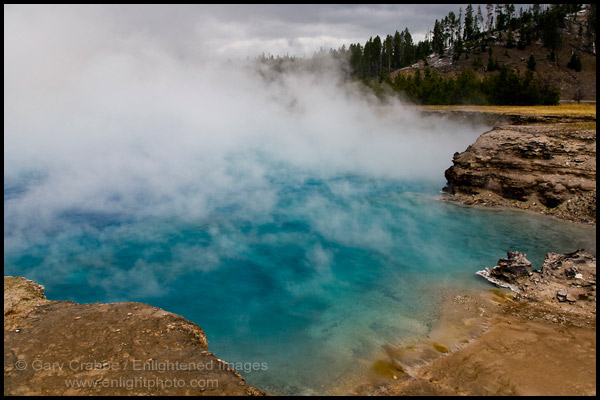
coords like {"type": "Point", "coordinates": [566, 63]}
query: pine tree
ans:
{"type": "Point", "coordinates": [510, 11]}
{"type": "Point", "coordinates": [438, 38]}
{"type": "Point", "coordinates": [388, 47]}
{"type": "Point", "coordinates": [510, 40]}
{"type": "Point", "coordinates": [458, 49]}
{"type": "Point", "coordinates": [489, 23]}
{"type": "Point", "coordinates": [531, 63]}
{"type": "Point", "coordinates": [500, 18]}
{"type": "Point", "coordinates": [409, 48]}
{"type": "Point", "coordinates": [478, 21]}
{"type": "Point", "coordinates": [376, 56]}
{"type": "Point", "coordinates": [452, 22]}
{"type": "Point", "coordinates": [574, 63]}
{"type": "Point", "coordinates": [367, 65]}
{"type": "Point", "coordinates": [468, 32]}
{"type": "Point", "coordinates": [459, 23]}
{"type": "Point", "coordinates": [356, 55]}
{"type": "Point", "coordinates": [398, 54]}
{"type": "Point", "coordinates": [492, 65]}
{"type": "Point", "coordinates": [591, 24]}
{"type": "Point", "coordinates": [550, 29]}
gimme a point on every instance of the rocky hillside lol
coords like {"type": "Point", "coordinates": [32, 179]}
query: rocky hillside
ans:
{"type": "Point", "coordinates": [548, 168]}
{"type": "Point", "coordinates": [64, 348]}
{"type": "Point", "coordinates": [574, 86]}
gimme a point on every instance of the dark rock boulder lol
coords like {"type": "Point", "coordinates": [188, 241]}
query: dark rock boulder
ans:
{"type": "Point", "coordinates": [513, 268]}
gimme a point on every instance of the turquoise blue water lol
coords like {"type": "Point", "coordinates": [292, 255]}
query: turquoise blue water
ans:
{"type": "Point", "coordinates": [336, 267]}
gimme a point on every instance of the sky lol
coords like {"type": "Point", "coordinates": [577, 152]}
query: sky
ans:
{"type": "Point", "coordinates": [239, 30]}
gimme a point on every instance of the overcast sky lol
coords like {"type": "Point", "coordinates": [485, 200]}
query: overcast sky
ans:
{"type": "Point", "coordinates": [224, 30]}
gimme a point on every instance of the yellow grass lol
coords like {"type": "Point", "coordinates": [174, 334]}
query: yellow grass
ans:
{"type": "Point", "coordinates": [560, 110]}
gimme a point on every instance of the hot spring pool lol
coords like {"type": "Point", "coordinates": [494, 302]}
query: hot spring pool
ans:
{"type": "Point", "coordinates": [296, 296]}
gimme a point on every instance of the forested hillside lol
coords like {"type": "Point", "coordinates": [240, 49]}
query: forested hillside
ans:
{"type": "Point", "coordinates": [491, 55]}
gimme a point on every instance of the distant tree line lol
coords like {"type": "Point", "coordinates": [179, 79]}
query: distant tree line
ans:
{"type": "Point", "coordinates": [456, 36]}
{"type": "Point", "coordinates": [503, 88]}
{"type": "Point", "coordinates": [378, 58]}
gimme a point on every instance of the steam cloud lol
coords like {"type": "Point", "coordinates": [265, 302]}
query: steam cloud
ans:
{"type": "Point", "coordinates": [101, 118]}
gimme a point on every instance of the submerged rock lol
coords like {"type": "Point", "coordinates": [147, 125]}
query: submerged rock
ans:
{"type": "Point", "coordinates": [65, 348]}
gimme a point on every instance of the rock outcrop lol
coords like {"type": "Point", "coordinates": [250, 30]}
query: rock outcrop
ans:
{"type": "Point", "coordinates": [566, 281]}
{"type": "Point", "coordinates": [539, 340]}
{"type": "Point", "coordinates": [509, 271]}
{"type": "Point", "coordinates": [65, 348]}
{"type": "Point", "coordinates": [549, 168]}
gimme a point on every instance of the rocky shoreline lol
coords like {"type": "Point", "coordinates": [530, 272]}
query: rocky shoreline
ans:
{"type": "Point", "coordinates": [538, 340]}
{"type": "Point", "coordinates": [536, 334]}
{"type": "Point", "coordinates": [65, 348]}
{"type": "Point", "coordinates": [545, 168]}
{"type": "Point", "coordinates": [566, 282]}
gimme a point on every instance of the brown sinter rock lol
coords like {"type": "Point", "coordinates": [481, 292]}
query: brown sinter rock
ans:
{"type": "Point", "coordinates": [65, 348]}
{"type": "Point", "coordinates": [549, 168]}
